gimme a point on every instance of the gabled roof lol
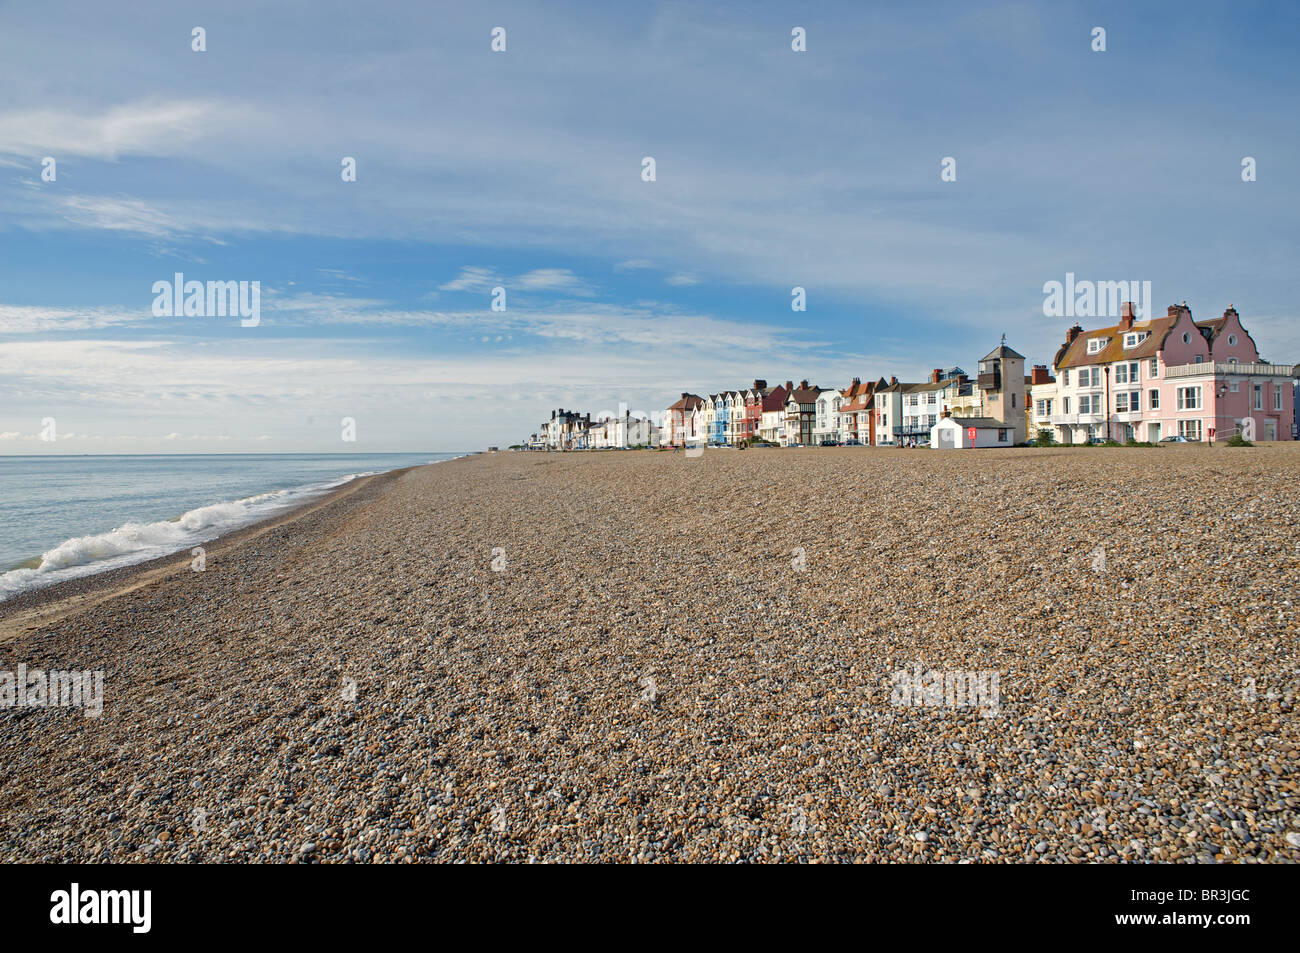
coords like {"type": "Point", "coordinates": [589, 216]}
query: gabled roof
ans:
{"type": "Point", "coordinates": [980, 423]}
{"type": "Point", "coordinates": [689, 402]}
{"type": "Point", "coordinates": [774, 399]}
{"type": "Point", "coordinates": [805, 395]}
{"type": "Point", "coordinates": [854, 391]}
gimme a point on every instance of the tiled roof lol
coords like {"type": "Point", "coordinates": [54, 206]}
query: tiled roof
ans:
{"type": "Point", "coordinates": [859, 389]}
{"type": "Point", "coordinates": [980, 423]}
{"type": "Point", "coordinates": [1075, 354]}
{"type": "Point", "coordinates": [689, 402]}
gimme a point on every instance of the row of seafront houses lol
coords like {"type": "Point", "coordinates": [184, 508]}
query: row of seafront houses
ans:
{"type": "Point", "coordinates": [1142, 379]}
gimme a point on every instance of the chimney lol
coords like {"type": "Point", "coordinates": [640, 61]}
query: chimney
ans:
{"type": "Point", "coordinates": [945, 414]}
{"type": "Point", "coordinates": [935, 375]}
{"type": "Point", "coordinates": [553, 415]}
{"type": "Point", "coordinates": [789, 386]}
{"type": "Point", "coordinates": [1126, 316]}
{"type": "Point", "coordinates": [1073, 333]}
{"type": "Point", "coordinates": [759, 385]}
{"type": "Point", "coordinates": [1040, 375]}
{"type": "Point", "coordinates": [1231, 312]}
{"type": "Point", "coordinates": [856, 381]}
{"type": "Point", "coordinates": [683, 395]}
{"type": "Point", "coordinates": [803, 385]}
{"type": "Point", "coordinates": [892, 380]}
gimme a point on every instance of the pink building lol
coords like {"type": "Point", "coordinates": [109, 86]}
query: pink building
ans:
{"type": "Point", "coordinates": [1164, 377]}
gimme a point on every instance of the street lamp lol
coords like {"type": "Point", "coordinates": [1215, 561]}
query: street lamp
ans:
{"type": "Point", "coordinates": [1106, 369]}
{"type": "Point", "coordinates": [1219, 392]}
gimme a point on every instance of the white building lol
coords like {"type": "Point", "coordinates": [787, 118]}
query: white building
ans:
{"type": "Point", "coordinates": [619, 433]}
{"type": "Point", "coordinates": [954, 433]}
{"type": "Point", "coordinates": [889, 413]}
{"type": "Point", "coordinates": [826, 423]}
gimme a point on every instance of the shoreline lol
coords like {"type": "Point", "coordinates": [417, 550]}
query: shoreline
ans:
{"type": "Point", "coordinates": [46, 605]}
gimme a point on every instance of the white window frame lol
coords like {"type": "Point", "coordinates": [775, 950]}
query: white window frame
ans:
{"type": "Point", "coordinates": [1153, 399]}
{"type": "Point", "coordinates": [1189, 398]}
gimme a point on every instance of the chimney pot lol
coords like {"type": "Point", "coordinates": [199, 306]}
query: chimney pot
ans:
{"type": "Point", "coordinates": [1126, 316]}
{"type": "Point", "coordinates": [935, 375]}
{"type": "Point", "coordinates": [1073, 333]}
{"type": "Point", "coordinates": [789, 386]}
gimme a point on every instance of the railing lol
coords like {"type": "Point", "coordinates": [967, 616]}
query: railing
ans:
{"type": "Point", "coordinates": [1207, 368]}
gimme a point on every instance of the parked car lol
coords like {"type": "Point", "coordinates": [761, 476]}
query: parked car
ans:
{"type": "Point", "coordinates": [1176, 438]}
{"type": "Point", "coordinates": [828, 442]}
{"type": "Point", "coordinates": [852, 443]}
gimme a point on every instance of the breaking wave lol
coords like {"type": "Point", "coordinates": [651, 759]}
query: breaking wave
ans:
{"type": "Point", "coordinates": [134, 543]}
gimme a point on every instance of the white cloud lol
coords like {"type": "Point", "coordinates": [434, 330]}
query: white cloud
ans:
{"type": "Point", "coordinates": [118, 214]}
{"type": "Point", "coordinates": [550, 279]}
{"type": "Point", "coordinates": [475, 278]}
{"type": "Point", "coordinates": [472, 279]}
{"type": "Point", "coordinates": [143, 127]}
{"type": "Point", "coordinates": [28, 319]}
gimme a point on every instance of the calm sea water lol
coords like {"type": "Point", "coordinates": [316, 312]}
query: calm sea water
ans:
{"type": "Point", "coordinates": [65, 516]}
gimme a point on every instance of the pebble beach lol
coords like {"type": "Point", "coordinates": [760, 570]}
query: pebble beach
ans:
{"type": "Point", "coordinates": [652, 657]}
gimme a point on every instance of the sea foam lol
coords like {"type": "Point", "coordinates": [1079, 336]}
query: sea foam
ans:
{"type": "Point", "coordinates": [133, 543]}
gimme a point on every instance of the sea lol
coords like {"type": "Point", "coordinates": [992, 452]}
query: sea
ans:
{"type": "Point", "coordinates": [67, 516]}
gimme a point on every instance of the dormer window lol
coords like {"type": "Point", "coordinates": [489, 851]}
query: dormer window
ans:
{"type": "Point", "coordinates": [1134, 338]}
{"type": "Point", "coordinates": [1096, 344]}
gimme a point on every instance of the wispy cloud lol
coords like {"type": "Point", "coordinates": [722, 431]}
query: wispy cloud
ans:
{"type": "Point", "coordinates": [145, 127]}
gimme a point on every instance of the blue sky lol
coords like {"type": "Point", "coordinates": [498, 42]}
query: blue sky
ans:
{"type": "Point", "coordinates": [523, 169]}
